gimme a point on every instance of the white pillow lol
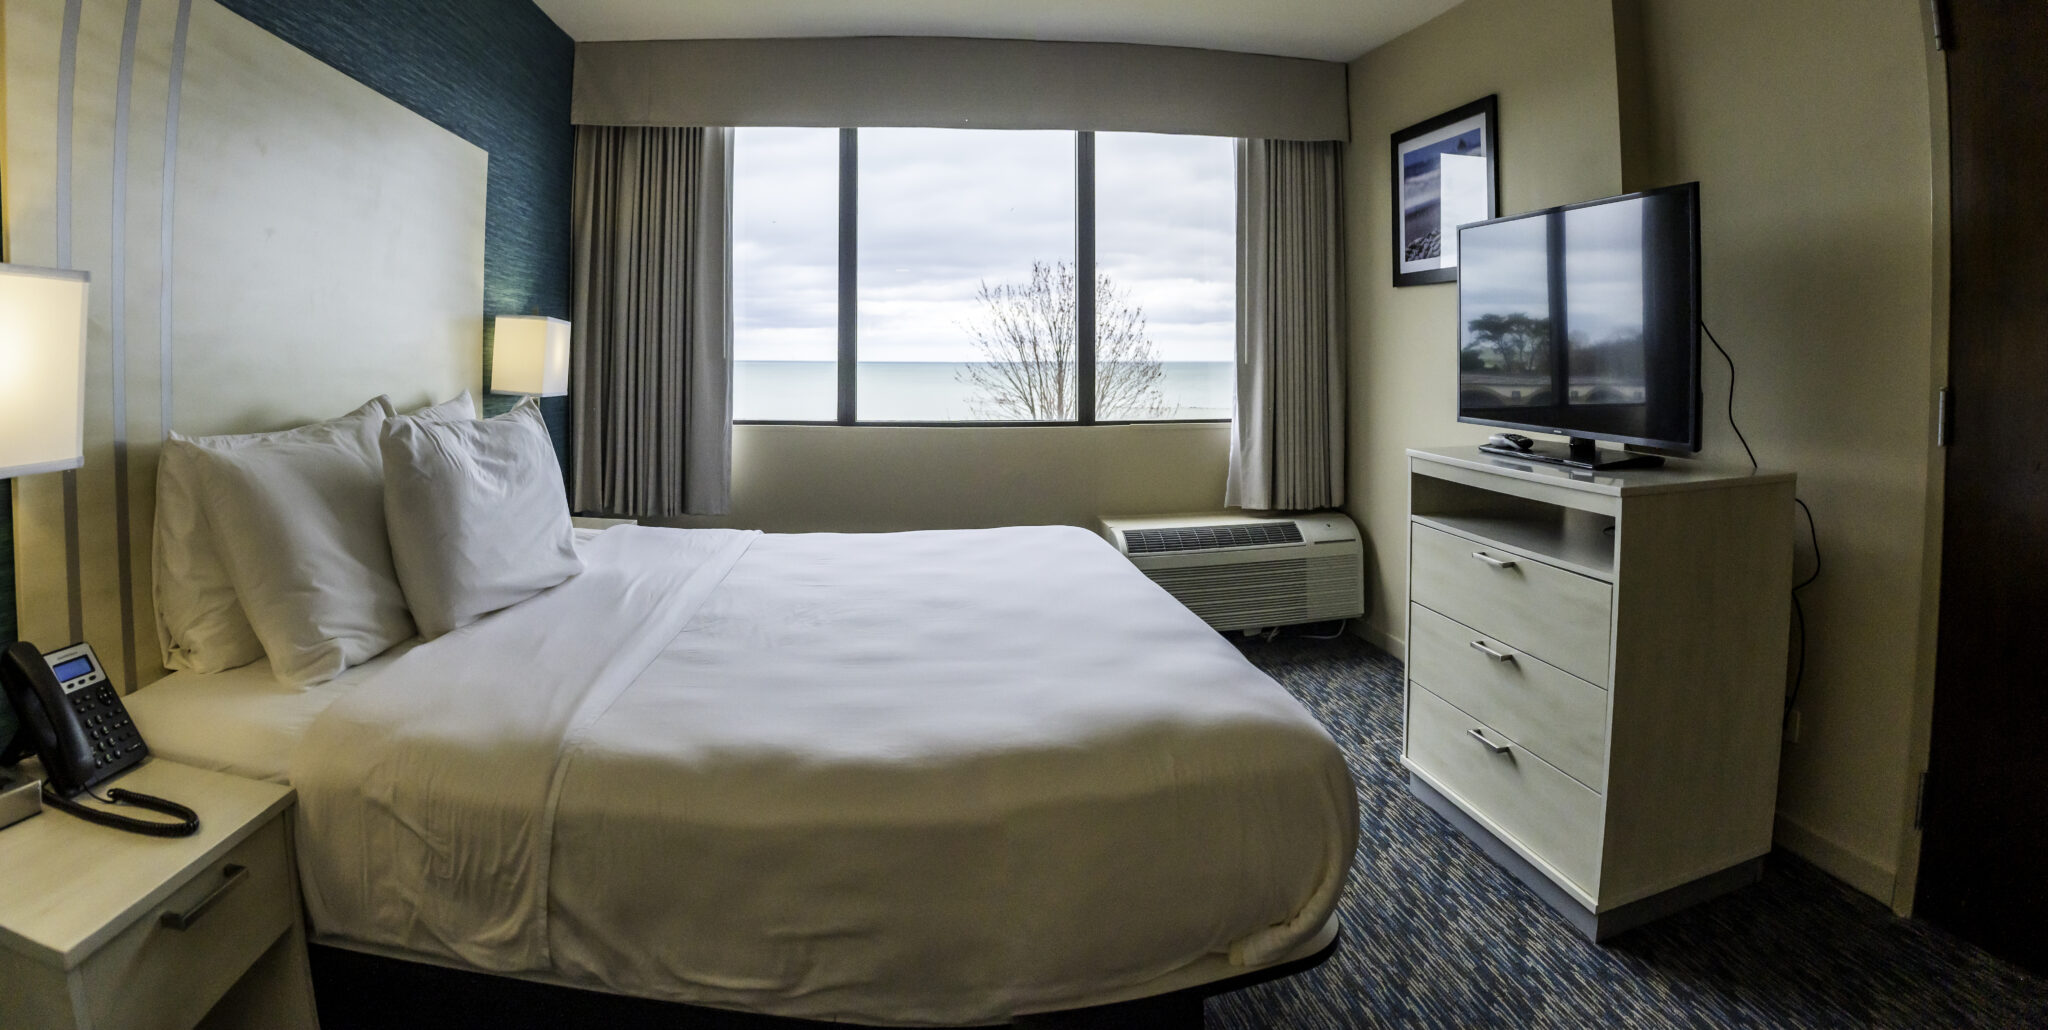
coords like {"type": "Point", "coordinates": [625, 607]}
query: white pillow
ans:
{"type": "Point", "coordinates": [459, 408]}
{"type": "Point", "coordinates": [299, 518]}
{"type": "Point", "coordinates": [199, 622]}
{"type": "Point", "coordinates": [477, 515]}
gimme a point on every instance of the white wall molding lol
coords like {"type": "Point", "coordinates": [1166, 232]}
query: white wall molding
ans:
{"type": "Point", "coordinates": [1862, 872]}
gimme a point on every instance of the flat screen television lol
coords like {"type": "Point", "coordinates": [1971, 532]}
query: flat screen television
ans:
{"type": "Point", "coordinates": [1583, 321]}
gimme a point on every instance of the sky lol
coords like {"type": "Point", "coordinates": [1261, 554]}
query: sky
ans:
{"type": "Point", "coordinates": [944, 210]}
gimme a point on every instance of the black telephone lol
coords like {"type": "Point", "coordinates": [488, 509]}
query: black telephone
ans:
{"type": "Point", "coordinates": [71, 718]}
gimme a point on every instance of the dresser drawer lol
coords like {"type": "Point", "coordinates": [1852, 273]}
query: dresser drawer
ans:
{"type": "Point", "coordinates": [150, 975]}
{"type": "Point", "coordinates": [1560, 717]}
{"type": "Point", "coordinates": [1558, 616]}
{"type": "Point", "coordinates": [1551, 816]}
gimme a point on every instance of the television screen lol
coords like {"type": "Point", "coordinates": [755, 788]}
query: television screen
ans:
{"type": "Point", "coordinates": [1584, 320]}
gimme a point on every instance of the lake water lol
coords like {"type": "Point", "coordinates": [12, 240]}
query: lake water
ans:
{"type": "Point", "coordinates": [932, 391]}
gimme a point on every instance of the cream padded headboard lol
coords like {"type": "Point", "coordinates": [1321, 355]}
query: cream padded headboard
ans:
{"type": "Point", "coordinates": [270, 243]}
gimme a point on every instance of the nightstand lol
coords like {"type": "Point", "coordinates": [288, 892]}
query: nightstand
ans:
{"type": "Point", "coordinates": [100, 928]}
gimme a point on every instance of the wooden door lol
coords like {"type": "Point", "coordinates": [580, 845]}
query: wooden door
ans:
{"type": "Point", "coordinates": [1984, 856]}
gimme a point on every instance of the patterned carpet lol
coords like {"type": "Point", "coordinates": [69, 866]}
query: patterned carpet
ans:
{"type": "Point", "coordinates": [1437, 935]}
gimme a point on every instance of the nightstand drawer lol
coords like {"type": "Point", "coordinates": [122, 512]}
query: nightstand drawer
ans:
{"type": "Point", "coordinates": [1559, 616]}
{"type": "Point", "coordinates": [1559, 716]}
{"type": "Point", "coordinates": [151, 975]}
{"type": "Point", "coordinates": [1554, 819]}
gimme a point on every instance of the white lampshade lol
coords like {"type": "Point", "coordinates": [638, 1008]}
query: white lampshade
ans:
{"type": "Point", "coordinates": [42, 370]}
{"type": "Point", "coordinates": [530, 355]}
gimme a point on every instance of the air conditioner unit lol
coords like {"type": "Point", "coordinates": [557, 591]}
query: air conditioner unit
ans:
{"type": "Point", "coordinates": [1248, 572]}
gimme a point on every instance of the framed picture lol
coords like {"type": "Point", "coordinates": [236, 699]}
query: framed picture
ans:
{"type": "Point", "coordinates": [1444, 176]}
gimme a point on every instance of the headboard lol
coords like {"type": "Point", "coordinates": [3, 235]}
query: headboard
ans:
{"type": "Point", "coordinates": [270, 243]}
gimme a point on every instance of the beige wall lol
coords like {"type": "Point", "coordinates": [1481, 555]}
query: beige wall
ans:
{"type": "Point", "coordinates": [795, 479]}
{"type": "Point", "coordinates": [1808, 127]}
{"type": "Point", "coordinates": [1552, 63]}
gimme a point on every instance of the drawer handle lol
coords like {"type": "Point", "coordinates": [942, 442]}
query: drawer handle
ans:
{"type": "Point", "coordinates": [231, 877]}
{"type": "Point", "coordinates": [1498, 563]}
{"type": "Point", "coordinates": [1498, 749]}
{"type": "Point", "coordinates": [1498, 656]}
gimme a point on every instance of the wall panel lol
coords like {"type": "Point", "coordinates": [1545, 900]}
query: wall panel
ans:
{"type": "Point", "coordinates": [494, 72]}
{"type": "Point", "coordinates": [279, 245]}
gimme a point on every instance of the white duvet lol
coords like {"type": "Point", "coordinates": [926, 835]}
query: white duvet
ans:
{"type": "Point", "coordinates": [914, 778]}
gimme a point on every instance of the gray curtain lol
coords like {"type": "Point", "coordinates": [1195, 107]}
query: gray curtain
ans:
{"type": "Point", "coordinates": [649, 373]}
{"type": "Point", "coordinates": [1287, 435]}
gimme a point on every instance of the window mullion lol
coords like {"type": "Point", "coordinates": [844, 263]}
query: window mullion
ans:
{"type": "Point", "coordinates": [849, 254]}
{"type": "Point", "coordinates": [1084, 276]}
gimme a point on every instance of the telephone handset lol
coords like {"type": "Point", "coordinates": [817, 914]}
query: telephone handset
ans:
{"type": "Point", "coordinates": [71, 718]}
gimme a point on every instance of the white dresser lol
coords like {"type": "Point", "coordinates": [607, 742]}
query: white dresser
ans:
{"type": "Point", "coordinates": [1596, 673]}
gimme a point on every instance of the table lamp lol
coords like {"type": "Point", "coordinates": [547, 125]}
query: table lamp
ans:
{"type": "Point", "coordinates": [530, 355]}
{"type": "Point", "coordinates": [42, 389]}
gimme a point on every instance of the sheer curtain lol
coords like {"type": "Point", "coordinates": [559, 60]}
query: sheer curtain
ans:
{"type": "Point", "coordinates": [1287, 436]}
{"type": "Point", "coordinates": [650, 375]}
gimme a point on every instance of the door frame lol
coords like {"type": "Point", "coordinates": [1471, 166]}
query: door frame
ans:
{"type": "Point", "coordinates": [1920, 735]}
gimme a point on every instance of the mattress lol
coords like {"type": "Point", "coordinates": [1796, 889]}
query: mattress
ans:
{"type": "Point", "coordinates": [909, 779]}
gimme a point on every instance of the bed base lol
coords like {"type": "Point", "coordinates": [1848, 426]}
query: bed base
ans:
{"type": "Point", "coordinates": [359, 990]}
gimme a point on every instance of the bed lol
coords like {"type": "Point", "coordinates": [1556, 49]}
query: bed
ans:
{"type": "Point", "coordinates": [929, 778]}
{"type": "Point", "coordinates": [901, 779]}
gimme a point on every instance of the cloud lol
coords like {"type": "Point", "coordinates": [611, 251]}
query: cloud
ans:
{"type": "Point", "coordinates": [943, 211]}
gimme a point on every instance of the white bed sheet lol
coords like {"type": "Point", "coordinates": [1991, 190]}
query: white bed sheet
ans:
{"type": "Point", "coordinates": [242, 721]}
{"type": "Point", "coordinates": [906, 778]}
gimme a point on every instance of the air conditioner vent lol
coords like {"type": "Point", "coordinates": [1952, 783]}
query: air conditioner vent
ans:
{"type": "Point", "coordinates": [1241, 574]}
{"type": "Point", "coordinates": [1210, 538]}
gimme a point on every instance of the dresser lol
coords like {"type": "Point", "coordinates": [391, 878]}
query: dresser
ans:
{"type": "Point", "coordinates": [1596, 673]}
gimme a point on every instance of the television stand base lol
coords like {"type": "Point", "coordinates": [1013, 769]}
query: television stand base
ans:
{"type": "Point", "coordinates": [1589, 458]}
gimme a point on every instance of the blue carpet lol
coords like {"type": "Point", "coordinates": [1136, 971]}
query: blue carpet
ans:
{"type": "Point", "coordinates": [1437, 935]}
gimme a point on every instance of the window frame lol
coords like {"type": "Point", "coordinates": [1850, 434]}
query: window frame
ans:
{"type": "Point", "coordinates": [848, 360]}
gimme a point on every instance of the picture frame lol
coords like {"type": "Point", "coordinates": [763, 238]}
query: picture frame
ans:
{"type": "Point", "coordinates": [1446, 173]}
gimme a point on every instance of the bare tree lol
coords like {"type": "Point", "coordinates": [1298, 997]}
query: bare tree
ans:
{"type": "Point", "coordinates": [1029, 366]}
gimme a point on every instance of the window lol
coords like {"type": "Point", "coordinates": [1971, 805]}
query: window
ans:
{"type": "Point", "coordinates": [1166, 255]}
{"type": "Point", "coordinates": [955, 322]}
{"type": "Point", "coordinates": [948, 291]}
{"type": "Point", "coordinates": [785, 275]}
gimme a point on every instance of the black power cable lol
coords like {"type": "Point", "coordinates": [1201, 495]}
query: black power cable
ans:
{"type": "Point", "coordinates": [1731, 394]}
{"type": "Point", "coordinates": [1812, 531]}
{"type": "Point", "coordinates": [1798, 611]}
